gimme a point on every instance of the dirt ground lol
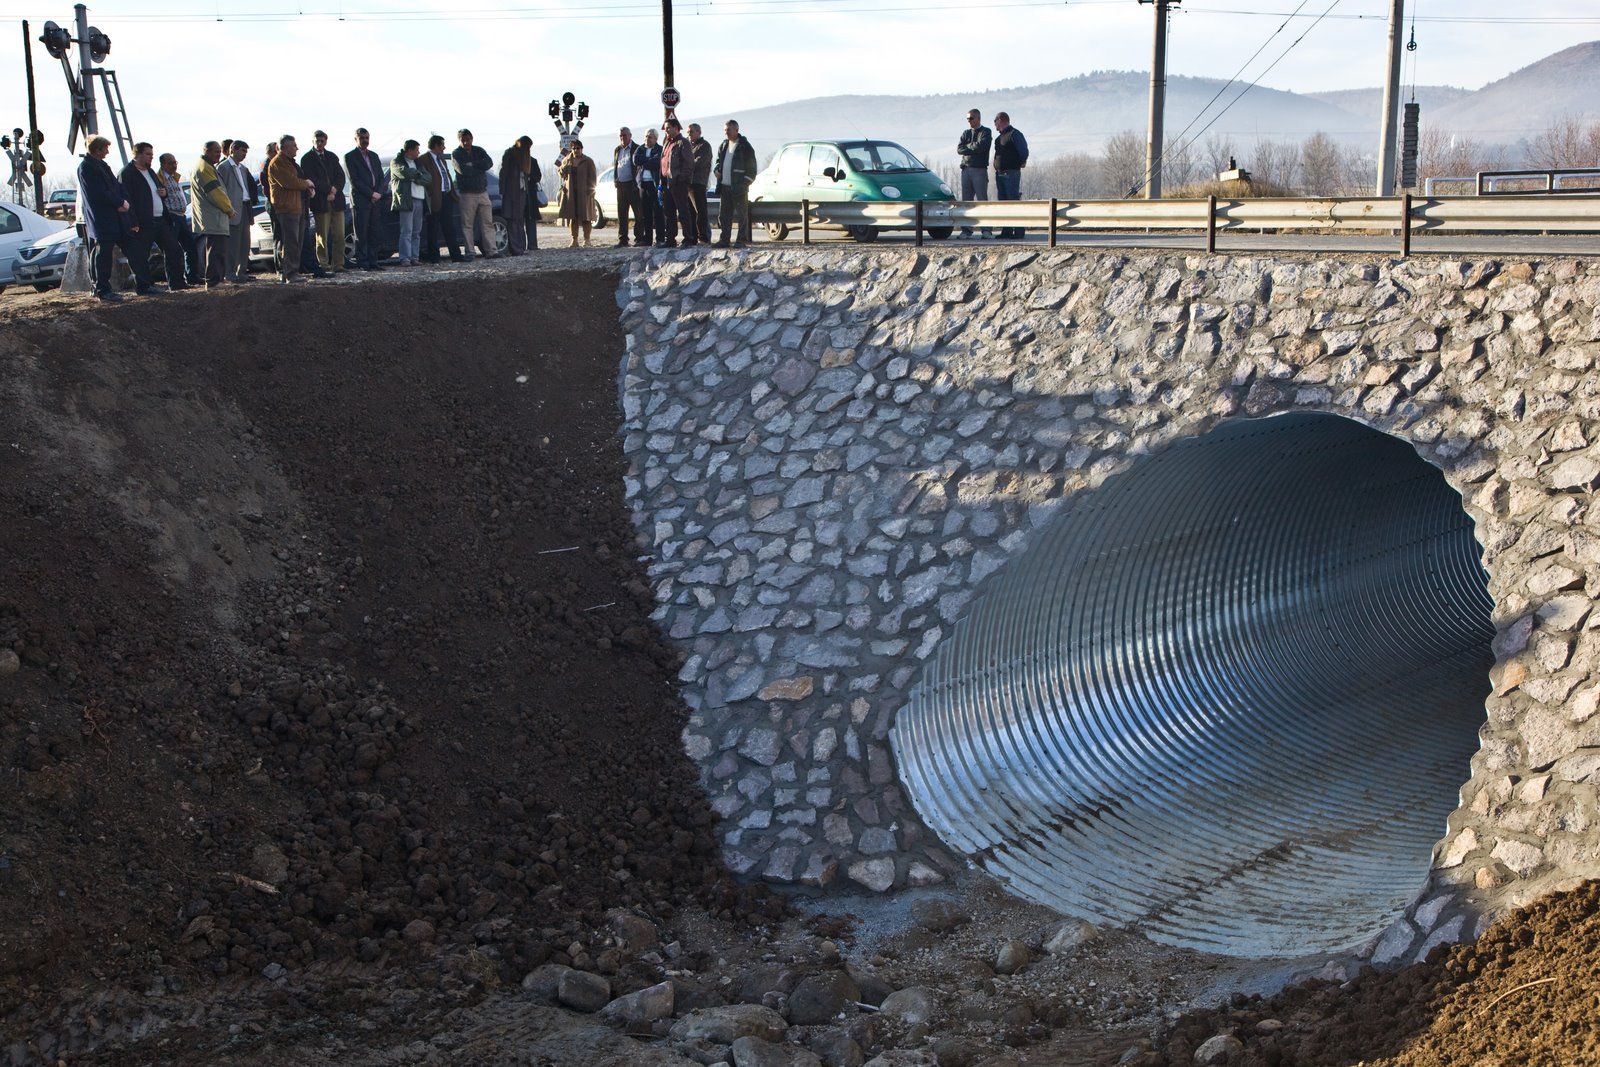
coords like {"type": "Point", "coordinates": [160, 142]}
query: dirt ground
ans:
{"type": "Point", "coordinates": [334, 729]}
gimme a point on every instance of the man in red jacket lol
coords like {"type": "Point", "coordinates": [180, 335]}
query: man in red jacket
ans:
{"type": "Point", "coordinates": [677, 170]}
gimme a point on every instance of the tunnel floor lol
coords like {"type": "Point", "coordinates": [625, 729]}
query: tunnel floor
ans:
{"type": "Point", "coordinates": [1228, 698]}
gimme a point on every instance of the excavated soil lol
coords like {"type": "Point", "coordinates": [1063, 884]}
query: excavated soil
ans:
{"type": "Point", "coordinates": [1525, 994]}
{"type": "Point", "coordinates": [331, 639]}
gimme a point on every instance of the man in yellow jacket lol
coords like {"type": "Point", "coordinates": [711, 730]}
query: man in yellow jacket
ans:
{"type": "Point", "coordinates": [209, 211]}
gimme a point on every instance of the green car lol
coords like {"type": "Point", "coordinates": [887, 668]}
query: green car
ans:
{"type": "Point", "coordinates": [848, 170]}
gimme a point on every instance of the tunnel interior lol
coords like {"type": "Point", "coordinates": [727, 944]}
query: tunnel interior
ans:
{"type": "Point", "coordinates": [1227, 698]}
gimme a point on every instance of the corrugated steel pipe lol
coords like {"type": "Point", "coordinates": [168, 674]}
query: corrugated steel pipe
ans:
{"type": "Point", "coordinates": [1227, 698]}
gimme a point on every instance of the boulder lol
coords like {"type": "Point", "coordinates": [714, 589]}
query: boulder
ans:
{"type": "Point", "coordinates": [910, 1006]}
{"type": "Point", "coordinates": [754, 1052]}
{"type": "Point", "coordinates": [1067, 935]}
{"type": "Point", "coordinates": [821, 998]}
{"type": "Point", "coordinates": [582, 991]}
{"type": "Point", "coordinates": [836, 1049]}
{"type": "Point", "coordinates": [1013, 958]}
{"type": "Point", "coordinates": [643, 1006]}
{"type": "Point", "coordinates": [1218, 1050]}
{"type": "Point", "coordinates": [724, 1026]}
{"type": "Point", "coordinates": [544, 981]}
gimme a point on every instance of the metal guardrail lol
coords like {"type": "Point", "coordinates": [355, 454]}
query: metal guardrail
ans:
{"type": "Point", "coordinates": [1489, 180]}
{"type": "Point", "coordinates": [1406, 215]}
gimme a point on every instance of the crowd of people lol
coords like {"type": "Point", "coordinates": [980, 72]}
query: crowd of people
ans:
{"type": "Point", "coordinates": [441, 201]}
{"type": "Point", "coordinates": [202, 221]}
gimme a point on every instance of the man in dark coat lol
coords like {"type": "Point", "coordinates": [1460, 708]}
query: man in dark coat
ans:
{"type": "Point", "coordinates": [736, 169]}
{"type": "Point", "coordinates": [369, 191]}
{"type": "Point", "coordinates": [677, 168]}
{"type": "Point", "coordinates": [323, 168]}
{"type": "Point", "coordinates": [106, 220]}
{"type": "Point", "coordinates": [650, 227]}
{"type": "Point", "coordinates": [700, 180]}
{"type": "Point", "coordinates": [147, 226]}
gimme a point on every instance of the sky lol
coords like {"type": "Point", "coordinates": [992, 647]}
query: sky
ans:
{"type": "Point", "coordinates": [193, 70]}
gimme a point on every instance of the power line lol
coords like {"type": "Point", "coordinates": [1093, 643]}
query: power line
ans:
{"type": "Point", "coordinates": [1190, 143]}
{"type": "Point", "coordinates": [1161, 149]}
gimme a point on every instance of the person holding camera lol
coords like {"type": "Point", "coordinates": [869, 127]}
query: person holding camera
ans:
{"type": "Point", "coordinates": [578, 180]}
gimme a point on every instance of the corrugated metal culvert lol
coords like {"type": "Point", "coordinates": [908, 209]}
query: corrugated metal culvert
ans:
{"type": "Point", "coordinates": [1228, 698]}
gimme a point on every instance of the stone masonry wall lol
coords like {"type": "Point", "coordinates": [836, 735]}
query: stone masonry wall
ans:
{"type": "Point", "coordinates": [830, 451]}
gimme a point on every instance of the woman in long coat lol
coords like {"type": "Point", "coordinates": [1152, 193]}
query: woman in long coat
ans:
{"type": "Point", "coordinates": [578, 180]}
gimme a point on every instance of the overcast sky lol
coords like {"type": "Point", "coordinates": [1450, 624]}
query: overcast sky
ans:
{"type": "Point", "coordinates": [198, 69]}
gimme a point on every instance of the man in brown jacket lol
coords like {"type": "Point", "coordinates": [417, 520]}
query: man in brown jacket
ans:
{"type": "Point", "coordinates": [442, 225]}
{"type": "Point", "coordinates": [287, 191]}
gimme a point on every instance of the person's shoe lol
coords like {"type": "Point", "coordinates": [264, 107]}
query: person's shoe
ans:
{"type": "Point", "coordinates": [723, 244]}
{"type": "Point", "coordinates": [180, 287]}
{"type": "Point", "coordinates": [108, 298]}
{"type": "Point", "coordinates": [574, 243]}
{"type": "Point", "coordinates": [622, 243]}
{"type": "Point", "coordinates": [742, 244]}
{"type": "Point", "coordinates": [146, 290]}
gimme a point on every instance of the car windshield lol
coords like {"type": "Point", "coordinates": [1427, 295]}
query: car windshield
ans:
{"type": "Point", "coordinates": [63, 195]}
{"type": "Point", "coordinates": [881, 157]}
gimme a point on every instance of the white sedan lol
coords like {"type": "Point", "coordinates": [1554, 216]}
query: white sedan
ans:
{"type": "Point", "coordinates": [19, 228]}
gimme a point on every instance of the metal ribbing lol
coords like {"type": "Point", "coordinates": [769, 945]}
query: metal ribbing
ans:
{"type": "Point", "coordinates": [1228, 698]}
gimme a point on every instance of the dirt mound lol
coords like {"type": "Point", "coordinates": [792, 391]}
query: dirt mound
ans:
{"type": "Point", "coordinates": [1526, 993]}
{"type": "Point", "coordinates": [331, 640]}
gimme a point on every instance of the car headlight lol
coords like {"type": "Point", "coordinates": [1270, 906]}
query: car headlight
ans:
{"type": "Point", "coordinates": [891, 191]}
{"type": "Point", "coordinates": [945, 189]}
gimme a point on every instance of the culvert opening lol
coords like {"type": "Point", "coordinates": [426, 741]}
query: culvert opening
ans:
{"type": "Point", "coordinates": [1227, 698]}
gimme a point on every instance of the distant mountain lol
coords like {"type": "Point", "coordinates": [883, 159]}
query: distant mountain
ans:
{"type": "Point", "coordinates": [1072, 115]}
{"type": "Point", "coordinates": [1079, 114]}
{"type": "Point", "coordinates": [1563, 85]}
{"type": "Point", "coordinates": [1367, 103]}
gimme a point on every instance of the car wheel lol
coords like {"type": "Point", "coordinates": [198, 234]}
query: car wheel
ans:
{"type": "Point", "coordinates": [863, 234]}
{"type": "Point", "coordinates": [941, 233]}
{"type": "Point", "coordinates": [502, 236]}
{"type": "Point", "coordinates": [600, 219]}
{"type": "Point", "coordinates": [41, 287]}
{"type": "Point", "coordinates": [777, 231]}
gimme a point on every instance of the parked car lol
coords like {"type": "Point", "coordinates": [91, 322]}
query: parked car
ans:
{"type": "Point", "coordinates": [19, 228]}
{"type": "Point", "coordinates": [43, 263]}
{"type": "Point", "coordinates": [62, 204]}
{"type": "Point", "coordinates": [606, 185]}
{"type": "Point", "coordinates": [832, 171]}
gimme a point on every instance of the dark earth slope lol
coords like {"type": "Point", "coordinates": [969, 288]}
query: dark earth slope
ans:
{"type": "Point", "coordinates": [331, 638]}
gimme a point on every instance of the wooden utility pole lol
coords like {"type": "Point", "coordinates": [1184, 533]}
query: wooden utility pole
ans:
{"type": "Point", "coordinates": [1158, 102]}
{"type": "Point", "coordinates": [1391, 103]}
{"type": "Point", "coordinates": [33, 124]}
{"type": "Point", "coordinates": [666, 53]}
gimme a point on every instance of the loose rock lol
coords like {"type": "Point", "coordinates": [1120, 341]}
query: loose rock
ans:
{"type": "Point", "coordinates": [582, 991]}
{"type": "Point", "coordinates": [724, 1026]}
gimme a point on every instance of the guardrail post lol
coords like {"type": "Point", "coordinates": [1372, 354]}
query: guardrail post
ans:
{"type": "Point", "coordinates": [805, 222]}
{"type": "Point", "coordinates": [1054, 206]}
{"type": "Point", "coordinates": [1480, 183]}
{"type": "Point", "coordinates": [919, 223]}
{"type": "Point", "coordinates": [1211, 225]}
{"type": "Point", "coordinates": [1405, 226]}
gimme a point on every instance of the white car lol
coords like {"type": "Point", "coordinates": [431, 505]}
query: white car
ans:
{"type": "Point", "coordinates": [19, 228]}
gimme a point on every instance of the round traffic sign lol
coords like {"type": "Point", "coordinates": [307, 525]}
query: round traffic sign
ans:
{"type": "Point", "coordinates": [670, 97]}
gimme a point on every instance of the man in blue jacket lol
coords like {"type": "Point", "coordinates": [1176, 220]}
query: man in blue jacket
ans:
{"type": "Point", "coordinates": [105, 216]}
{"type": "Point", "coordinates": [648, 162]}
{"type": "Point", "coordinates": [1010, 156]}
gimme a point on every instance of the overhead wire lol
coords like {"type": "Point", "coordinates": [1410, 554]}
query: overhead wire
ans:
{"type": "Point", "coordinates": [1161, 149]}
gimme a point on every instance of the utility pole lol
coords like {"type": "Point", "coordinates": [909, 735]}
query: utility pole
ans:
{"type": "Point", "coordinates": [86, 61]}
{"type": "Point", "coordinates": [1158, 101]}
{"type": "Point", "coordinates": [1391, 103]}
{"type": "Point", "coordinates": [667, 82]}
{"type": "Point", "coordinates": [34, 160]}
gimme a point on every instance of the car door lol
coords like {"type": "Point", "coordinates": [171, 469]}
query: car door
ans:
{"type": "Point", "coordinates": [13, 236]}
{"type": "Point", "coordinates": [789, 180]}
{"type": "Point", "coordinates": [825, 157]}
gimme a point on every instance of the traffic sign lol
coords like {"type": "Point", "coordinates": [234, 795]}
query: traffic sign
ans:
{"type": "Point", "coordinates": [670, 97]}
